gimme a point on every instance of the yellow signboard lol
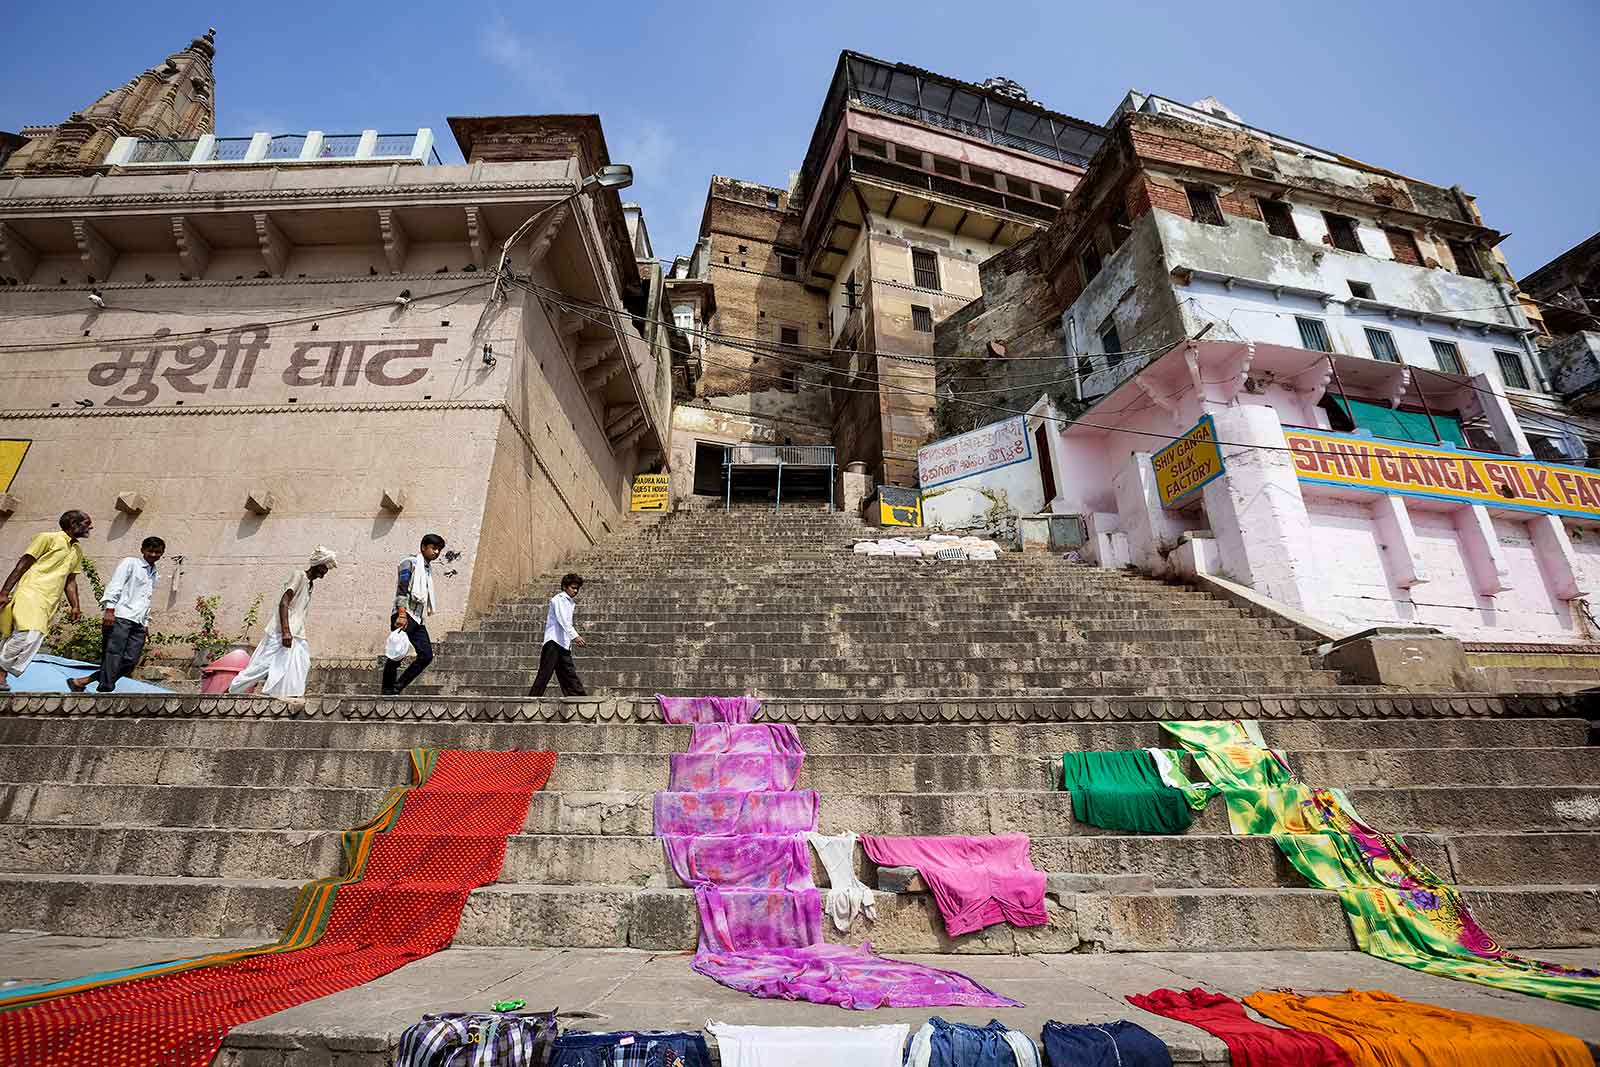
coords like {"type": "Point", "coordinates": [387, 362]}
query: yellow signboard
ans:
{"type": "Point", "coordinates": [11, 453]}
{"type": "Point", "coordinates": [898, 506]}
{"type": "Point", "coordinates": [650, 492]}
{"type": "Point", "coordinates": [1379, 466]}
{"type": "Point", "coordinates": [1187, 463]}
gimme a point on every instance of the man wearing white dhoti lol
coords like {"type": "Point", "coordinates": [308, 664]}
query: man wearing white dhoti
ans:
{"type": "Point", "coordinates": [282, 660]}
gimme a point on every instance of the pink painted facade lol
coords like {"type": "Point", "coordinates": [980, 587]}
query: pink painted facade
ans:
{"type": "Point", "coordinates": [1349, 556]}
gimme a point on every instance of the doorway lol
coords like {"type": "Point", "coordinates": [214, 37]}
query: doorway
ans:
{"type": "Point", "coordinates": [708, 470]}
{"type": "Point", "coordinates": [1047, 473]}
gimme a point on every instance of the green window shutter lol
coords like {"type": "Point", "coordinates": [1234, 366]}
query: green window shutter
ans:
{"type": "Point", "coordinates": [1402, 425]}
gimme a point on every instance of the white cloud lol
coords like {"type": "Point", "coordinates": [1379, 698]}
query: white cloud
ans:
{"type": "Point", "coordinates": [520, 58]}
{"type": "Point", "coordinates": [645, 144]}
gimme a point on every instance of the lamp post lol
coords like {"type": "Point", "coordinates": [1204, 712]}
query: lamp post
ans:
{"type": "Point", "coordinates": [612, 176]}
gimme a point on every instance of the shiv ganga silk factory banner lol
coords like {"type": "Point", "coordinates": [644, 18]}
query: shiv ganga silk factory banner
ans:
{"type": "Point", "coordinates": [1379, 466]}
{"type": "Point", "coordinates": [1188, 463]}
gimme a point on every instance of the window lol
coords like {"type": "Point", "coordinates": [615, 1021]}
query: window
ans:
{"type": "Point", "coordinates": [1381, 342]}
{"type": "Point", "coordinates": [980, 177]}
{"type": "Point", "coordinates": [1448, 355]}
{"type": "Point", "coordinates": [1403, 243]}
{"type": "Point", "coordinates": [1203, 205]}
{"type": "Point", "coordinates": [1342, 232]}
{"type": "Point", "coordinates": [789, 265]}
{"type": "Point", "coordinates": [772, 199]}
{"type": "Point", "coordinates": [1118, 224]}
{"type": "Point", "coordinates": [1279, 219]}
{"type": "Point", "coordinates": [921, 318]}
{"type": "Point", "coordinates": [1050, 196]}
{"type": "Point", "coordinates": [1091, 262]}
{"type": "Point", "coordinates": [788, 335]}
{"type": "Point", "coordinates": [744, 250]}
{"type": "Point", "coordinates": [1512, 371]}
{"type": "Point", "coordinates": [1110, 343]}
{"type": "Point", "coordinates": [948, 167]}
{"type": "Point", "coordinates": [683, 317]}
{"type": "Point", "coordinates": [1466, 258]}
{"type": "Point", "coordinates": [1546, 448]}
{"type": "Point", "coordinates": [1360, 290]}
{"type": "Point", "coordinates": [867, 146]}
{"type": "Point", "coordinates": [787, 382]}
{"type": "Point", "coordinates": [925, 268]}
{"type": "Point", "coordinates": [1313, 334]}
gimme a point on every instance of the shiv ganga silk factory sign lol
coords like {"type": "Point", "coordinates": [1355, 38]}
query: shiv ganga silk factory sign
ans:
{"type": "Point", "coordinates": [1188, 463]}
{"type": "Point", "coordinates": [1378, 466]}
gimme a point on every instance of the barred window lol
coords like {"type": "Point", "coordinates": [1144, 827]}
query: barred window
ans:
{"type": "Point", "coordinates": [925, 268]}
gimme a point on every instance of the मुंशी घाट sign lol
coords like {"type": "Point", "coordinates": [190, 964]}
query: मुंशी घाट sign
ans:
{"type": "Point", "coordinates": [988, 448]}
{"type": "Point", "coordinates": [1378, 466]}
{"type": "Point", "coordinates": [1188, 463]}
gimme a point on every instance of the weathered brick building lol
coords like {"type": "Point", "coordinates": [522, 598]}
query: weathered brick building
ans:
{"type": "Point", "coordinates": [911, 180]}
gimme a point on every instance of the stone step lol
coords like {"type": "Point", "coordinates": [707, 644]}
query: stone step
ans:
{"type": "Point", "coordinates": [898, 772]}
{"type": "Point", "coordinates": [718, 659]}
{"type": "Point", "coordinates": [1193, 860]}
{"type": "Point", "coordinates": [617, 916]}
{"type": "Point", "coordinates": [1299, 736]}
{"type": "Point", "coordinates": [621, 811]}
{"type": "Point", "coordinates": [529, 642]}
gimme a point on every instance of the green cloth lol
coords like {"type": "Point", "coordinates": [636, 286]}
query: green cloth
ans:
{"type": "Point", "coordinates": [1123, 791]}
{"type": "Point", "coordinates": [1398, 909]}
{"type": "Point", "coordinates": [1395, 425]}
{"type": "Point", "coordinates": [1169, 764]}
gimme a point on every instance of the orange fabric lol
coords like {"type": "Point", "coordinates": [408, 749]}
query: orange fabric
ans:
{"type": "Point", "coordinates": [1380, 1029]}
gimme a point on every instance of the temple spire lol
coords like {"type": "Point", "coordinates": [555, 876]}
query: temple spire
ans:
{"type": "Point", "coordinates": [176, 100]}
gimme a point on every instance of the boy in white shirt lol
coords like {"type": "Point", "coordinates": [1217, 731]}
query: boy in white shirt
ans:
{"type": "Point", "coordinates": [125, 613]}
{"type": "Point", "coordinates": [560, 636]}
{"type": "Point", "coordinates": [413, 605]}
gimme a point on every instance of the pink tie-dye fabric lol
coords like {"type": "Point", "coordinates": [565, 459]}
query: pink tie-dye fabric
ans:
{"type": "Point", "coordinates": [708, 709]}
{"type": "Point", "coordinates": [976, 881]}
{"type": "Point", "coordinates": [731, 825]}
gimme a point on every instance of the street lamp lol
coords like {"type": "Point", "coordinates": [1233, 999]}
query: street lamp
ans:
{"type": "Point", "coordinates": [612, 176]}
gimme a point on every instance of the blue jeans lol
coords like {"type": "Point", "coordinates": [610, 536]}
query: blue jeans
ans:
{"type": "Point", "coordinates": [961, 1045]}
{"type": "Point", "coordinates": [1104, 1045]}
{"type": "Point", "coordinates": [648, 1048]}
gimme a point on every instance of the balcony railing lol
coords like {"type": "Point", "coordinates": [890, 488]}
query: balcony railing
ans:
{"type": "Point", "coordinates": [778, 455]}
{"type": "Point", "coordinates": [287, 148]}
{"type": "Point", "coordinates": [1030, 145]}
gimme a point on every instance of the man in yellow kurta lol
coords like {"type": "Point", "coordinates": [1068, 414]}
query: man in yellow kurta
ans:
{"type": "Point", "coordinates": [33, 589]}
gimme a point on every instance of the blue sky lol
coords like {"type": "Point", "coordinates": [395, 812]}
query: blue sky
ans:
{"type": "Point", "coordinates": [1498, 98]}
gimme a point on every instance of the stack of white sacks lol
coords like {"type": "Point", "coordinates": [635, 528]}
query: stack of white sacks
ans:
{"type": "Point", "coordinates": [934, 546]}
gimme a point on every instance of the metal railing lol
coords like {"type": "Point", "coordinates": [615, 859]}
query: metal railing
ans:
{"type": "Point", "coordinates": [971, 129]}
{"type": "Point", "coordinates": [312, 147]}
{"type": "Point", "coordinates": [163, 151]}
{"type": "Point", "coordinates": [776, 457]}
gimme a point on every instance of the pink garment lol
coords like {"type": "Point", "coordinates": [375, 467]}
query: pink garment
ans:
{"type": "Point", "coordinates": [708, 709]}
{"type": "Point", "coordinates": [976, 881]}
{"type": "Point", "coordinates": [732, 827]}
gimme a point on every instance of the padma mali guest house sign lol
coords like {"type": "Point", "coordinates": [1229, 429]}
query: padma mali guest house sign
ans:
{"type": "Point", "coordinates": [1188, 463]}
{"type": "Point", "coordinates": [1375, 465]}
{"type": "Point", "coordinates": [650, 492]}
{"type": "Point", "coordinates": [11, 453]}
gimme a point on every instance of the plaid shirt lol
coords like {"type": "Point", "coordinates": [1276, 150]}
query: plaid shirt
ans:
{"type": "Point", "coordinates": [478, 1039]}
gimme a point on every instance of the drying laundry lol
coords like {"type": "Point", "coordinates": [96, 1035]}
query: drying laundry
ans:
{"type": "Point", "coordinates": [1250, 1043]}
{"type": "Point", "coordinates": [1123, 1043]}
{"type": "Point", "coordinates": [408, 875]}
{"type": "Point", "coordinates": [976, 881]}
{"type": "Point", "coordinates": [707, 709]}
{"type": "Point", "coordinates": [944, 1044]}
{"type": "Point", "coordinates": [1398, 909]}
{"type": "Point", "coordinates": [478, 1039]}
{"type": "Point", "coordinates": [809, 1046]}
{"type": "Point", "coordinates": [1169, 764]}
{"type": "Point", "coordinates": [630, 1048]}
{"type": "Point", "coordinates": [1379, 1029]}
{"type": "Point", "coordinates": [1123, 791]}
{"type": "Point", "coordinates": [848, 896]}
{"type": "Point", "coordinates": [740, 845]}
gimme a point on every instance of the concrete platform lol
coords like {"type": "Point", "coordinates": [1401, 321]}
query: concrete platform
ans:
{"type": "Point", "coordinates": [623, 989]}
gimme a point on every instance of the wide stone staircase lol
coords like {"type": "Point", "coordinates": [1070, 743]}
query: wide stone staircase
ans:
{"type": "Point", "coordinates": [775, 603]}
{"type": "Point", "coordinates": [932, 698]}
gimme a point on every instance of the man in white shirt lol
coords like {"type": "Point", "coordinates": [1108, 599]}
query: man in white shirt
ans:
{"type": "Point", "coordinates": [559, 638]}
{"type": "Point", "coordinates": [282, 660]}
{"type": "Point", "coordinates": [125, 612]}
{"type": "Point", "coordinates": [413, 604]}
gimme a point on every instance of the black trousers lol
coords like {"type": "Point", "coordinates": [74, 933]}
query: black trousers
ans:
{"type": "Point", "coordinates": [418, 634]}
{"type": "Point", "coordinates": [553, 659]}
{"type": "Point", "coordinates": [121, 645]}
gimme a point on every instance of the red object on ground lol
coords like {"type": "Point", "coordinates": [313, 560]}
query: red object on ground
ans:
{"type": "Point", "coordinates": [216, 675]}
{"type": "Point", "coordinates": [1250, 1043]}
{"type": "Point", "coordinates": [449, 838]}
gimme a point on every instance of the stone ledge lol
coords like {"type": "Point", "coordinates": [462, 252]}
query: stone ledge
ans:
{"type": "Point", "coordinates": [954, 709]}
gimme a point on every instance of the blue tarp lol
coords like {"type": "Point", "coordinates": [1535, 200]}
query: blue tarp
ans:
{"type": "Point", "coordinates": [49, 674]}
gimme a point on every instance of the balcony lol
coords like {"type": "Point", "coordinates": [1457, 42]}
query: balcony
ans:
{"type": "Point", "coordinates": [815, 464]}
{"type": "Point", "coordinates": [276, 149]}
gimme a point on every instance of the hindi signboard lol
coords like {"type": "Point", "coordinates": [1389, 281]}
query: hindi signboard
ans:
{"type": "Point", "coordinates": [1188, 463]}
{"type": "Point", "coordinates": [650, 492]}
{"type": "Point", "coordinates": [1375, 465]}
{"type": "Point", "coordinates": [988, 448]}
{"type": "Point", "coordinates": [11, 453]}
